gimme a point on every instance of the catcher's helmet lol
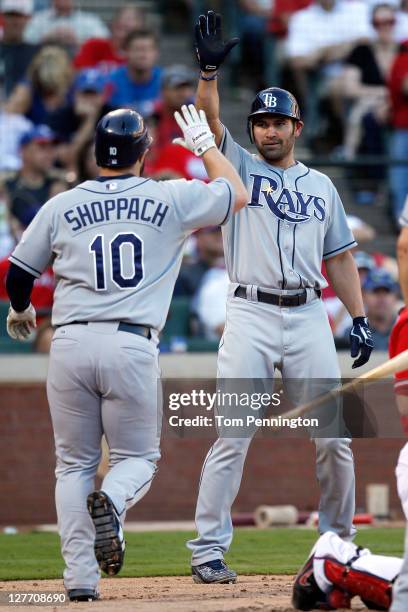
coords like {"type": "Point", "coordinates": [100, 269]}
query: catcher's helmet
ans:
{"type": "Point", "coordinates": [273, 101]}
{"type": "Point", "coordinates": [121, 138]}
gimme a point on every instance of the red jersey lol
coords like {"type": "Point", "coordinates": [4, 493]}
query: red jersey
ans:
{"type": "Point", "coordinates": [176, 160]}
{"type": "Point", "coordinates": [282, 10]}
{"type": "Point", "coordinates": [97, 51]}
{"type": "Point", "coordinates": [399, 101]}
{"type": "Point", "coordinates": [398, 343]}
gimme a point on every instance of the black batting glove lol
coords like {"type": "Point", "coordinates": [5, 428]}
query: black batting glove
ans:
{"type": "Point", "coordinates": [211, 50]}
{"type": "Point", "coordinates": [361, 341]}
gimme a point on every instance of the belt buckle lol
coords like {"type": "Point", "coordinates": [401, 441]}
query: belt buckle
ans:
{"type": "Point", "coordinates": [280, 300]}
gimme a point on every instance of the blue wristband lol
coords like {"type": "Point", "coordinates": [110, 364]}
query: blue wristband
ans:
{"type": "Point", "coordinates": [211, 78]}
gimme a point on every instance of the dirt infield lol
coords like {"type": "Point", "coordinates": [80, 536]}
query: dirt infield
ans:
{"type": "Point", "coordinates": [175, 594]}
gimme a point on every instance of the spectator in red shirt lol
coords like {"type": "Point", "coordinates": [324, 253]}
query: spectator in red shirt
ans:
{"type": "Point", "coordinates": [281, 13]}
{"type": "Point", "coordinates": [111, 51]}
{"type": "Point", "coordinates": [398, 86]}
{"type": "Point", "coordinates": [173, 162]}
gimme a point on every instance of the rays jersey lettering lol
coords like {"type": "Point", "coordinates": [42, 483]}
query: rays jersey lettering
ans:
{"type": "Point", "coordinates": [286, 204]}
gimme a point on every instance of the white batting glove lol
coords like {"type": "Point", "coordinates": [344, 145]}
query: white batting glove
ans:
{"type": "Point", "coordinates": [21, 324]}
{"type": "Point", "coordinates": [198, 137]}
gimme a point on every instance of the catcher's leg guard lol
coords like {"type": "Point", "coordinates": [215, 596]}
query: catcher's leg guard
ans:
{"type": "Point", "coordinates": [373, 590]}
{"type": "Point", "coordinates": [306, 594]}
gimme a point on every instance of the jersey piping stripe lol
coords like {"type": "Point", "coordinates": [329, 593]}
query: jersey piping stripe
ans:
{"type": "Point", "coordinates": [229, 204]}
{"type": "Point", "coordinates": [115, 192]}
{"type": "Point", "coordinates": [340, 248]}
{"type": "Point", "coordinates": [294, 244]}
{"type": "Point", "coordinates": [205, 463]}
{"type": "Point", "coordinates": [294, 229]}
{"type": "Point", "coordinates": [301, 176]}
{"type": "Point", "coordinates": [106, 179]}
{"type": "Point", "coordinates": [13, 257]}
{"type": "Point", "coordinates": [293, 254]}
{"type": "Point", "coordinates": [223, 140]}
{"type": "Point", "coordinates": [404, 219]}
{"type": "Point", "coordinates": [280, 256]}
{"type": "Point", "coordinates": [278, 175]}
{"type": "Point", "coordinates": [129, 499]}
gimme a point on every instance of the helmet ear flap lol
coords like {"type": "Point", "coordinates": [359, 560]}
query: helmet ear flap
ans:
{"type": "Point", "coordinates": [250, 130]}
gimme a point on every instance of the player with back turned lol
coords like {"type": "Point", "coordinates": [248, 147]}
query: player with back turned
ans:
{"type": "Point", "coordinates": [274, 249]}
{"type": "Point", "coordinates": [116, 245]}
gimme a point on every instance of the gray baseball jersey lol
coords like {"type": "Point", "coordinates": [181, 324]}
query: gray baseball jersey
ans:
{"type": "Point", "coordinates": [294, 219]}
{"type": "Point", "coordinates": [116, 245]}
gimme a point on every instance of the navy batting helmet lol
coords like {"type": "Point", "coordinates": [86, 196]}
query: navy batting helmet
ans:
{"type": "Point", "coordinates": [274, 101]}
{"type": "Point", "coordinates": [121, 138]}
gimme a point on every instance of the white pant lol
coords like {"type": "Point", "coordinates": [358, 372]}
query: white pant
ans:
{"type": "Point", "coordinates": [400, 590]}
{"type": "Point", "coordinates": [100, 380]}
{"type": "Point", "coordinates": [257, 339]}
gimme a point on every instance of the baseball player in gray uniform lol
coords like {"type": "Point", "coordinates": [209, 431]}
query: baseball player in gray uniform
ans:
{"type": "Point", "coordinates": [116, 245]}
{"type": "Point", "coordinates": [274, 250]}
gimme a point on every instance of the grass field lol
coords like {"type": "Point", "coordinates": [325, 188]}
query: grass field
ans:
{"type": "Point", "coordinates": [276, 551]}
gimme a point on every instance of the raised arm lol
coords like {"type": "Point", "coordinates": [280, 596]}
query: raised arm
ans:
{"type": "Point", "coordinates": [197, 137]}
{"type": "Point", "coordinates": [211, 51]}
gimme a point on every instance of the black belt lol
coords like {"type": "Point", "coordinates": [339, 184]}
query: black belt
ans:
{"type": "Point", "coordinates": [284, 301]}
{"type": "Point", "coordinates": [131, 328]}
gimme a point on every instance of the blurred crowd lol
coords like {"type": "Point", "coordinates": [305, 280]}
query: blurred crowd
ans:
{"type": "Point", "coordinates": [62, 68]}
{"type": "Point", "coordinates": [347, 63]}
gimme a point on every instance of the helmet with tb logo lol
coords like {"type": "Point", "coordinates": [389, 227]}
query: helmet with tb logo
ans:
{"type": "Point", "coordinates": [273, 101]}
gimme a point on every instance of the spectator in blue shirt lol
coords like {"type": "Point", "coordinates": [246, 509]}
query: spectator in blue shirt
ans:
{"type": "Point", "coordinates": [380, 295]}
{"type": "Point", "coordinates": [137, 84]}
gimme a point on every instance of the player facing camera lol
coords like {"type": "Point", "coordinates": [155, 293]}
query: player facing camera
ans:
{"type": "Point", "coordinates": [121, 142]}
{"type": "Point", "coordinates": [274, 125]}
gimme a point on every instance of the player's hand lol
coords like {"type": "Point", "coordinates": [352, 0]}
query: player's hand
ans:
{"type": "Point", "coordinates": [361, 341]}
{"type": "Point", "coordinates": [211, 50]}
{"type": "Point", "coordinates": [197, 136]}
{"type": "Point", "coordinates": [21, 324]}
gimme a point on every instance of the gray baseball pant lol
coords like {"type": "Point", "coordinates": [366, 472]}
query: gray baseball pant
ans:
{"type": "Point", "coordinates": [258, 338]}
{"type": "Point", "coordinates": [100, 380]}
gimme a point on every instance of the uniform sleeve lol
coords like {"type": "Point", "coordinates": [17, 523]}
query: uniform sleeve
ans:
{"type": "Point", "coordinates": [338, 237]}
{"type": "Point", "coordinates": [34, 251]}
{"type": "Point", "coordinates": [200, 204]}
{"type": "Point", "coordinates": [232, 151]}
{"type": "Point", "coordinates": [403, 220]}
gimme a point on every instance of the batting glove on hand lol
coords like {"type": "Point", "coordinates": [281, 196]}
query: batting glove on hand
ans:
{"type": "Point", "coordinates": [210, 49]}
{"type": "Point", "coordinates": [198, 137]}
{"type": "Point", "coordinates": [21, 324]}
{"type": "Point", "coordinates": [361, 341]}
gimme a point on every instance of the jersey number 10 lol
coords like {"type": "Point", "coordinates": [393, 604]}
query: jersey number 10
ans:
{"type": "Point", "coordinates": [118, 246]}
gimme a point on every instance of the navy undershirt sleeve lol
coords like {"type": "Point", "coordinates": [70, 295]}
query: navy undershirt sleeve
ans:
{"type": "Point", "coordinates": [19, 285]}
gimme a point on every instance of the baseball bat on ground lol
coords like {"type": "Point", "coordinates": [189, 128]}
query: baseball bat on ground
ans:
{"type": "Point", "coordinates": [396, 364]}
